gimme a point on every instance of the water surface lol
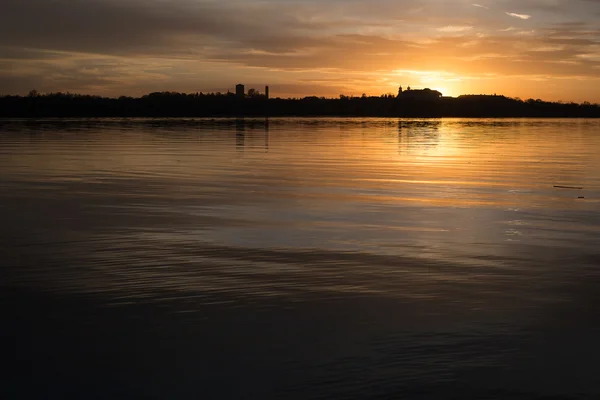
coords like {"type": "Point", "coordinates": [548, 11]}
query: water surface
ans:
{"type": "Point", "coordinates": [301, 258]}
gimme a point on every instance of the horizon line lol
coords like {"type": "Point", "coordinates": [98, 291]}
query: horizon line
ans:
{"type": "Point", "coordinates": [35, 93]}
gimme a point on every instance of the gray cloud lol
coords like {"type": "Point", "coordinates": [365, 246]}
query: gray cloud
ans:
{"type": "Point", "coordinates": [186, 27]}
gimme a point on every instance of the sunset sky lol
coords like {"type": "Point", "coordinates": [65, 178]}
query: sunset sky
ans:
{"type": "Point", "coordinates": [547, 49]}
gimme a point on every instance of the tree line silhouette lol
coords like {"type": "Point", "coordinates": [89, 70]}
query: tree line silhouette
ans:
{"type": "Point", "coordinates": [172, 104]}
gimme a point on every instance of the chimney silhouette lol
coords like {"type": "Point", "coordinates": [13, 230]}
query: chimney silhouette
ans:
{"type": "Point", "coordinates": [267, 92]}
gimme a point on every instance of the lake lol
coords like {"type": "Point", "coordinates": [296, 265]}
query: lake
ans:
{"type": "Point", "coordinates": [300, 258]}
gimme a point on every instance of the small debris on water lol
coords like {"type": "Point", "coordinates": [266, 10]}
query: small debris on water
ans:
{"type": "Point", "coordinates": [568, 187]}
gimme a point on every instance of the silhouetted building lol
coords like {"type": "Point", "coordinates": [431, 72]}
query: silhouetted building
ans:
{"type": "Point", "coordinates": [424, 94]}
{"type": "Point", "coordinates": [240, 91]}
{"type": "Point", "coordinates": [267, 92]}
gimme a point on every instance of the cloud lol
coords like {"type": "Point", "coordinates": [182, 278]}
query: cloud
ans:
{"type": "Point", "coordinates": [480, 6]}
{"type": "Point", "coordinates": [455, 28]}
{"type": "Point", "coordinates": [520, 16]}
{"type": "Point", "coordinates": [526, 33]}
{"type": "Point", "coordinates": [548, 48]}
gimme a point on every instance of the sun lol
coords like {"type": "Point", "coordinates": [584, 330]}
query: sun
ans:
{"type": "Point", "coordinates": [448, 83]}
{"type": "Point", "coordinates": [448, 89]}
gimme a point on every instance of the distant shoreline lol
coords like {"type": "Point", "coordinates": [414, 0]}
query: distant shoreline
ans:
{"type": "Point", "coordinates": [198, 105]}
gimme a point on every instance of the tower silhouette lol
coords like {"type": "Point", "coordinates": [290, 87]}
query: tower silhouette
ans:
{"type": "Point", "coordinates": [240, 90]}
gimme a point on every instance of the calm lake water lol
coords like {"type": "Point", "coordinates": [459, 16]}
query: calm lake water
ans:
{"type": "Point", "coordinates": [300, 259]}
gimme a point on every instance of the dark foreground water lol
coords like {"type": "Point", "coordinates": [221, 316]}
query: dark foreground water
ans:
{"type": "Point", "coordinates": [300, 259]}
